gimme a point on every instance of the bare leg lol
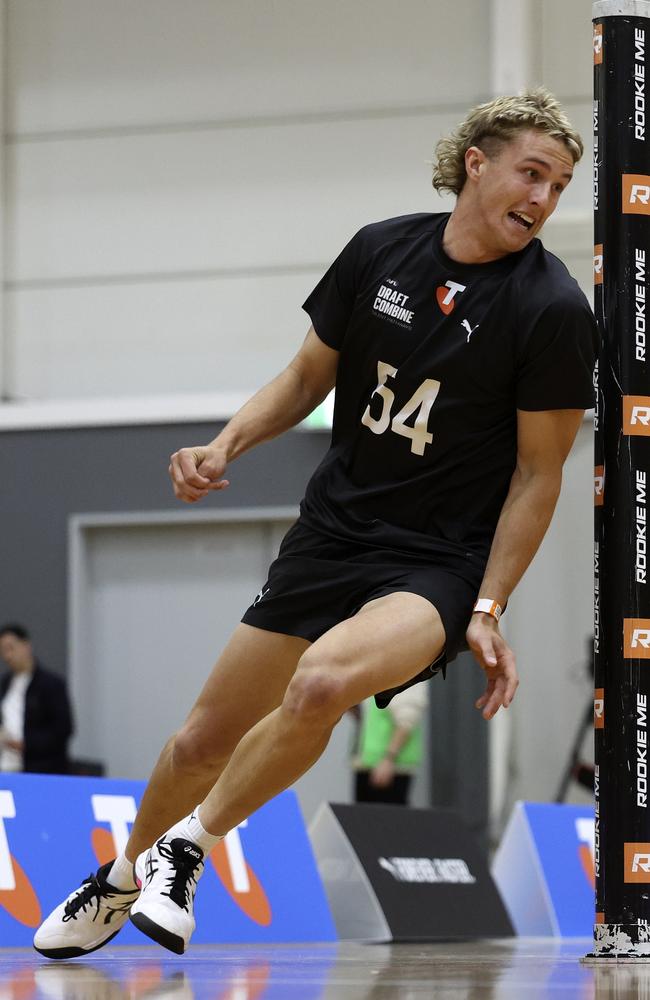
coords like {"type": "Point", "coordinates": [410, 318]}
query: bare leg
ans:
{"type": "Point", "coordinates": [385, 644]}
{"type": "Point", "coordinates": [248, 681]}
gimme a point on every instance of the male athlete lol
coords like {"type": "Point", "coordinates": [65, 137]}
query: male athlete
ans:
{"type": "Point", "coordinates": [462, 356]}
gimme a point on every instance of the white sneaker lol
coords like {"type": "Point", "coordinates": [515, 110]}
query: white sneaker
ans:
{"type": "Point", "coordinates": [168, 873]}
{"type": "Point", "coordinates": [90, 917]}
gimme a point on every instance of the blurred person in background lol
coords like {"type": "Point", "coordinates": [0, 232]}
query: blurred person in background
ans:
{"type": "Point", "coordinates": [35, 714]}
{"type": "Point", "coordinates": [389, 747]}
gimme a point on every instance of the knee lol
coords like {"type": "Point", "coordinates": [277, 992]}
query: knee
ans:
{"type": "Point", "coordinates": [197, 751]}
{"type": "Point", "coordinates": [317, 692]}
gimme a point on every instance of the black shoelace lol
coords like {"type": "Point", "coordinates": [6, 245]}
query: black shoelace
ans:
{"type": "Point", "coordinates": [91, 891]}
{"type": "Point", "coordinates": [182, 879]}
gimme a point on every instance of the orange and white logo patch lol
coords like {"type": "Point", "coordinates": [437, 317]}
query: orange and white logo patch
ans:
{"type": "Point", "coordinates": [599, 708]}
{"type": "Point", "coordinates": [17, 894]}
{"type": "Point", "coordinates": [636, 415]}
{"type": "Point", "coordinates": [599, 485]}
{"type": "Point", "coordinates": [598, 44]}
{"type": "Point", "coordinates": [239, 880]}
{"type": "Point", "coordinates": [636, 638]}
{"type": "Point", "coordinates": [598, 264]}
{"type": "Point", "coordinates": [446, 295]}
{"type": "Point", "coordinates": [636, 194]}
{"type": "Point", "coordinates": [636, 862]}
{"type": "Point", "coordinates": [119, 812]}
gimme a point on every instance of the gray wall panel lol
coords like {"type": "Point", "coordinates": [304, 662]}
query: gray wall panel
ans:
{"type": "Point", "coordinates": [49, 475]}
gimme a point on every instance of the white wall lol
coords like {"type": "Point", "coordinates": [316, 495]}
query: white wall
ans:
{"type": "Point", "coordinates": [179, 175]}
{"type": "Point", "coordinates": [566, 51]}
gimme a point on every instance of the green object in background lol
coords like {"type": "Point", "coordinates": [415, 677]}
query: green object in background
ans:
{"type": "Point", "coordinates": [377, 728]}
{"type": "Point", "coordinates": [320, 419]}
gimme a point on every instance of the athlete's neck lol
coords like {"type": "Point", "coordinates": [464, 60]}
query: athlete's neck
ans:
{"type": "Point", "coordinates": [464, 241]}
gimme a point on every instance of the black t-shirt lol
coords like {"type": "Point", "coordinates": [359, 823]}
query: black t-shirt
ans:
{"type": "Point", "coordinates": [435, 359]}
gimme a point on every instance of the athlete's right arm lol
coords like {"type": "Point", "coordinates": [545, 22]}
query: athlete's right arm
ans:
{"type": "Point", "coordinates": [281, 404]}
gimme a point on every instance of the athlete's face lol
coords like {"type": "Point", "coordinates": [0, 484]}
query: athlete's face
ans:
{"type": "Point", "coordinates": [515, 191]}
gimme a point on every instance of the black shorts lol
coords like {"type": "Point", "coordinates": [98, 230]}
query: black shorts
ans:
{"type": "Point", "coordinates": [318, 581]}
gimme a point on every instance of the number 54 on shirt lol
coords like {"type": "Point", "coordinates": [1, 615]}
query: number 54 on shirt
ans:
{"type": "Point", "coordinates": [422, 400]}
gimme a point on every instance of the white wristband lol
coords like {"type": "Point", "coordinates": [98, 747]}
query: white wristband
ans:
{"type": "Point", "coordinates": [489, 607]}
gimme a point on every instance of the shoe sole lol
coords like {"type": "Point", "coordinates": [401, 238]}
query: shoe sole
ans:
{"type": "Point", "coordinates": [173, 942]}
{"type": "Point", "coordinates": [74, 952]}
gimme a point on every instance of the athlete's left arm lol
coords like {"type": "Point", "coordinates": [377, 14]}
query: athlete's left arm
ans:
{"type": "Point", "coordinates": [544, 439]}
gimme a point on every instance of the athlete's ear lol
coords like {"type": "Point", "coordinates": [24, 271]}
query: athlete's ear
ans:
{"type": "Point", "coordinates": [475, 160]}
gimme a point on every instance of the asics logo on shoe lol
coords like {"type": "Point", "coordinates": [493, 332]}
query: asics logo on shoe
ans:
{"type": "Point", "coordinates": [150, 869]}
{"type": "Point", "coordinates": [190, 850]}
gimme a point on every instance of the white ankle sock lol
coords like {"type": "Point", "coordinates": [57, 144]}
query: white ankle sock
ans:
{"type": "Point", "coordinates": [192, 829]}
{"type": "Point", "coordinates": [121, 874]}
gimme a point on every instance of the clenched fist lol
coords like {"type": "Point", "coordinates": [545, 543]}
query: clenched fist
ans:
{"type": "Point", "coordinates": [196, 471]}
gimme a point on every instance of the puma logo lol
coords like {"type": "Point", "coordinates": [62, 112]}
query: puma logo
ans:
{"type": "Point", "coordinates": [470, 329]}
{"type": "Point", "coordinates": [259, 597]}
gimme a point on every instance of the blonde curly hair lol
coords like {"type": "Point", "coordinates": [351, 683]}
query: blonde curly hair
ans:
{"type": "Point", "coordinates": [490, 125]}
